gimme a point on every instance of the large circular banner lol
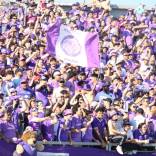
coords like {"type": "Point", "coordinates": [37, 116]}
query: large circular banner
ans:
{"type": "Point", "coordinates": [70, 46]}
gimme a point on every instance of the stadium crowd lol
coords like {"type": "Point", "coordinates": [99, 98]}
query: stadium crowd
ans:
{"type": "Point", "coordinates": [54, 101]}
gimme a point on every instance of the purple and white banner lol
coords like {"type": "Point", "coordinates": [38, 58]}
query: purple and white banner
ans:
{"type": "Point", "coordinates": [74, 46]}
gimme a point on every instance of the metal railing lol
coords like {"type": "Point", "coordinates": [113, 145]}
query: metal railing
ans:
{"type": "Point", "coordinates": [91, 144]}
{"type": "Point", "coordinates": [68, 143]}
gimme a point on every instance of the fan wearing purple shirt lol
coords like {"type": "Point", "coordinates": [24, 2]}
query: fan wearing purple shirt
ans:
{"type": "Point", "coordinates": [35, 122]}
{"type": "Point", "coordinates": [95, 84]}
{"type": "Point", "coordinates": [141, 134]}
{"type": "Point", "coordinates": [152, 123]}
{"type": "Point", "coordinates": [71, 83]}
{"type": "Point", "coordinates": [64, 133]}
{"type": "Point", "coordinates": [24, 90]}
{"type": "Point", "coordinates": [77, 124]}
{"type": "Point", "coordinates": [48, 127]}
{"type": "Point", "coordinates": [7, 128]}
{"type": "Point", "coordinates": [42, 90]}
{"type": "Point", "coordinates": [100, 130]}
{"type": "Point", "coordinates": [54, 82]}
{"type": "Point", "coordinates": [87, 135]}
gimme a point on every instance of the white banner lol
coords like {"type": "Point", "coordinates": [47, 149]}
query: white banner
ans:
{"type": "Point", "coordinates": [70, 46]}
{"type": "Point", "coordinates": [52, 154]}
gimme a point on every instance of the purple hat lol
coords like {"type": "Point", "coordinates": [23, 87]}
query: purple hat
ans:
{"type": "Point", "coordinates": [105, 84]}
{"type": "Point", "coordinates": [30, 68]}
{"type": "Point", "coordinates": [4, 51]}
{"type": "Point", "coordinates": [67, 112]}
{"type": "Point", "coordinates": [87, 88]}
{"type": "Point", "coordinates": [138, 77]}
{"type": "Point", "coordinates": [76, 4]}
{"type": "Point", "coordinates": [113, 113]}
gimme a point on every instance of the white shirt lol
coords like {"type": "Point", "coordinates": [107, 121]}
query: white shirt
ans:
{"type": "Point", "coordinates": [137, 120]}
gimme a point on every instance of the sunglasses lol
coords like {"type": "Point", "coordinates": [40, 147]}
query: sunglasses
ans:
{"type": "Point", "coordinates": [62, 82]}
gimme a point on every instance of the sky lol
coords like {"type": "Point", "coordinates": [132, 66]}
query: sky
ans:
{"type": "Point", "coordinates": [121, 3]}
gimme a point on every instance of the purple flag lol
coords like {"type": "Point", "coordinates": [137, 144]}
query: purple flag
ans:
{"type": "Point", "coordinates": [73, 46]}
{"type": "Point", "coordinates": [41, 97]}
{"type": "Point", "coordinates": [52, 37]}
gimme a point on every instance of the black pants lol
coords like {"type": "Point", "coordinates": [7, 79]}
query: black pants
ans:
{"type": "Point", "coordinates": [118, 139]}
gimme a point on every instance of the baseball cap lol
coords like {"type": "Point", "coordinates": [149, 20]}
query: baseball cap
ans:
{"type": "Point", "coordinates": [55, 73]}
{"type": "Point", "coordinates": [113, 114]}
{"type": "Point", "coordinates": [12, 90]}
{"type": "Point", "coordinates": [126, 123]}
{"type": "Point", "coordinates": [24, 81]}
{"type": "Point", "coordinates": [67, 112]}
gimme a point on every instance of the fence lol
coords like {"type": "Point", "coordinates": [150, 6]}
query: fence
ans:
{"type": "Point", "coordinates": [92, 144]}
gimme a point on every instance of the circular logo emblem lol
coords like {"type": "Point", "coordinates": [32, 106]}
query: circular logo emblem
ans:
{"type": "Point", "coordinates": [70, 45]}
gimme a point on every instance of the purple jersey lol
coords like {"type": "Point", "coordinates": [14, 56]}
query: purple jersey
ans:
{"type": "Point", "coordinates": [100, 124]}
{"type": "Point", "coordinates": [41, 114]}
{"type": "Point", "coordinates": [63, 133]}
{"type": "Point", "coordinates": [35, 125]}
{"type": "Point", "coordinates": [77, 123]}
{"type": "Point", "coordinates": [8, 129]}
{"type": "Point", "coordinates": [152, 127]}
{"type": "Point", "coordinates": [87, 136]}
{"type": "Point", "coordinates": [48, 130]}
{"type": "Point", "coordinates": [153, 120]}
{"type": "Point", "coordinates": [71, 85]}
{"type": "Point", "coordinates": [138, 135]}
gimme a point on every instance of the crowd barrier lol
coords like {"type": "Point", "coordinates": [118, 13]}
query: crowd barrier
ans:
{"type": "Point", "coordinates": [94, 144]}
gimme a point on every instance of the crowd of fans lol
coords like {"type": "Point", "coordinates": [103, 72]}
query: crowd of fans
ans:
{"type": "Point", "coordinates": [64, 102]}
